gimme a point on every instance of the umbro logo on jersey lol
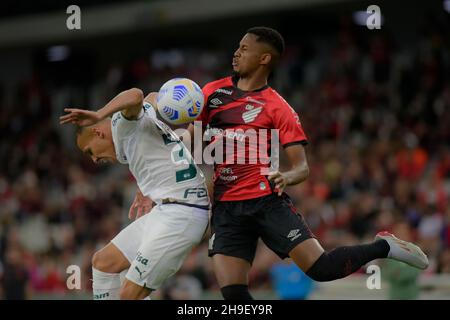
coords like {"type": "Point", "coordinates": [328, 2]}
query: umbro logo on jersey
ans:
{"type": "Point", "coordinates": [294, 234]}
{"type": "Point", "coordinates": [251, 114]}
{"type": "Point", "coordinates": [215, 103]}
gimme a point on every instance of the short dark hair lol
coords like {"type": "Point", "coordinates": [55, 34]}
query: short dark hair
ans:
{"type": "Point", "coordinates": [270, 36]}
{"type": "Point", "coordinates": [79, 130]}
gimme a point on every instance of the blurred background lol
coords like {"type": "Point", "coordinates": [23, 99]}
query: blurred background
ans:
{"type": "Point", "coordinates": [375, 105]}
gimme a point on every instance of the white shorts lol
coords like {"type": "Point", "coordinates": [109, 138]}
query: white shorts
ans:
{"type": "Point", "coordinates": [157, 243]}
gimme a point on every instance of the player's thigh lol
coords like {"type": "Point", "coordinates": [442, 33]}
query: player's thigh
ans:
{"type": "Point", "coordinates": [233, 233]}
{"type": "Point", "coordinates": [110, 259]}
{"type": "Point", "coordinates": [130, 238]}
{"type": "Point", "coordinates": [283, 229]}
{"type": "Point", "coordinates": [175, 230]}
{"type": "Point", "coordinates": [230, 270]}
{"type": "Point", "coordinates": [306, 253]}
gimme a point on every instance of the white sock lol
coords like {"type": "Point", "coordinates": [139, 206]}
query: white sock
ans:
{"type": "Point", "coordinates": [105, 286]}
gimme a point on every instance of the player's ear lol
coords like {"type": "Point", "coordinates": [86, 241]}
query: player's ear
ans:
{"type": "Point", "coordinates": [266, 59]}
{"type": "Point", "coordinates": [99, 133]}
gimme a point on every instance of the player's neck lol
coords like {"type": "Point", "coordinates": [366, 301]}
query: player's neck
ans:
{"type": "Point", "coordinates": [251, 83]}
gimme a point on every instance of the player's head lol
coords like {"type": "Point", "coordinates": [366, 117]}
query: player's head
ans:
{"type": "Point", "coordinates": [261, 47]}
{"type": "Point", "coordinates": [96, 141]}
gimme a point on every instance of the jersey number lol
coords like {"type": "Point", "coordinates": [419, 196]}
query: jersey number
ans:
{"type": "Point", "coordinates": [179, 156]}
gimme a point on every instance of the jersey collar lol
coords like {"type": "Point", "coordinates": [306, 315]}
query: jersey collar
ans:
{"type": "Point", "coordinates": [235, 79]}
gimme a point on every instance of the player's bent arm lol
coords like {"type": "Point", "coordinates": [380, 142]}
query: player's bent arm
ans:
{"type": "Point", "coordinates": [151, 98]}
{"type": "Point", "coordinates": [299, 165]}
{"type": "Point", "coordinates": [129, 102]}
{"type": "Point", "coordinates": [299, 169]}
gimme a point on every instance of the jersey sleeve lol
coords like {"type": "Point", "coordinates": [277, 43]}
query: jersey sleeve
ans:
{"type": "Point", "coordinates": [149, 110]}
{"type": "Point", "coordinates": [122, 127]}
{"type": "Point", "coordinates": [287, 121]}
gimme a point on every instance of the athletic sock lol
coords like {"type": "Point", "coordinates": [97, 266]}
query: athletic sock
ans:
{"type": "Point", "coordinates": [105, 286]}
{"type": "Point", "coordinates": [343, 261]}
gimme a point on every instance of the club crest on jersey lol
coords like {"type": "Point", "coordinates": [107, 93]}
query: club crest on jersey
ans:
{"type": "Point", "coordinates": [250, 99]}
{"type": "Point", "coordinates": [251, 114]}
{"type": "Point", "coordinates": [116, 117]}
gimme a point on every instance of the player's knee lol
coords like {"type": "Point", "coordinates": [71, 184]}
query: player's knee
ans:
{"type": "Point", "coordinates": [96, 260]}
{"type": "Point", "coordinates": [319, 277]}
{"type": "Point", "coordinates": [236, 292]}
{"type": "Point", "coordinates": [105, 262]}
{"type": "Point", "coordinates": [320, 271]}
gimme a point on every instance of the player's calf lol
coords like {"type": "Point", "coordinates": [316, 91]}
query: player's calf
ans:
{"type": "Point", "coordinates": [107, 264]}
{"type": "Point", "coordinates": [343, 261]}
{"type": "Point", "coordinates": [132, 291]}
{"type": "Point", "coordinates": [236, 292]}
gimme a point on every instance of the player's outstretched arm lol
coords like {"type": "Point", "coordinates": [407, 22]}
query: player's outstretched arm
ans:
{"type": "Point", "coordinates": [299, 172]}
{"type": "Point", "coordinates": [129, 102]}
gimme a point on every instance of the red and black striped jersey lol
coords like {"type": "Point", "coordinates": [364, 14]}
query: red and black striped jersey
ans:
{"type": "Point", "coordinates": [235, 114]}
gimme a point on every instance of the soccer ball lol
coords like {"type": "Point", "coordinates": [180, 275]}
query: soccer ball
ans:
{"type": "Point", "coordinates": [180, 101]}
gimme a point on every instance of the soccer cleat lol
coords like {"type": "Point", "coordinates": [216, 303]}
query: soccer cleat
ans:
{"type": "Point", "coordinates": [404, 251]}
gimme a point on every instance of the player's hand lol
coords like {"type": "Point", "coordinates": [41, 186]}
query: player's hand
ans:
{"type": "Point", "coordinates": [280, 180]}
{"type": "Point", "coordinates": [140, 206]}
{"type": "Point", "coordinates": [80, 117]}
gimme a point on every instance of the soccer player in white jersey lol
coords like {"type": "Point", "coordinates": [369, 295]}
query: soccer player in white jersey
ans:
{"type": "Point", "coordinates": [155, 245]}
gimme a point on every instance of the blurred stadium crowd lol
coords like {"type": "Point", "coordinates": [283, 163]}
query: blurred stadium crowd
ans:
{"type": "Point", "coordinates": [376, 112]}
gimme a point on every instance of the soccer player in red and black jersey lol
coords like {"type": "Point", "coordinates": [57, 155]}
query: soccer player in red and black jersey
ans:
{"type": "Point", "coordinates": [250, 204]}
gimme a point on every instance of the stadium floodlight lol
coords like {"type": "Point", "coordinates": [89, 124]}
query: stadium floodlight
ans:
{"type": "Point", "coordinates": [446, 4]}
{"type": "Point", "coordinates": [360, 18]}
{"type": "Point", "coordinates": [58, 53]}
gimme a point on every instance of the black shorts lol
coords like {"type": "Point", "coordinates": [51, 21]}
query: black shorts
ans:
{"type": "Point", "coordinates": [237, 225]}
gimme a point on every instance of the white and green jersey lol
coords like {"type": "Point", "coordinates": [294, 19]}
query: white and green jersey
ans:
{"type": "Point", "coordinates": [159, 161]}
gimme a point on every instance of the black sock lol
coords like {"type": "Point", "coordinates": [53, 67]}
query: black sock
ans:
{"type": "Point", "coordinates": [343, 261]}
{"type": "Point", "coordinates": [236, 292]}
